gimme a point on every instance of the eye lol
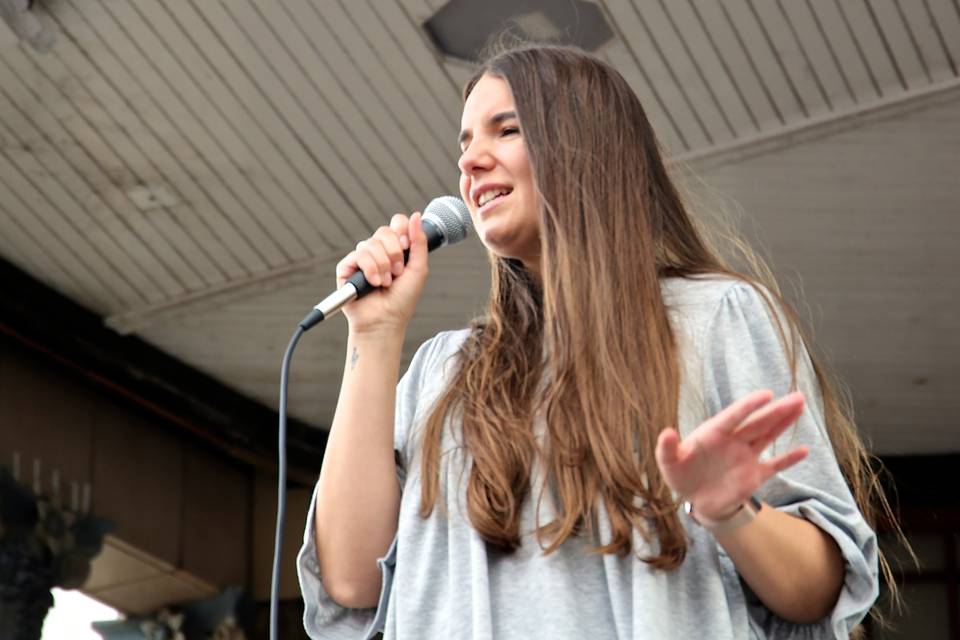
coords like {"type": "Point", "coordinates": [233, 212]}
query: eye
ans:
{"type": "Point", "coordinates": [506, 131]}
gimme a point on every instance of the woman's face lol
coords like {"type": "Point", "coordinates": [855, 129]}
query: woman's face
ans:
{"type": "Point", "coordinates": [494, 161]}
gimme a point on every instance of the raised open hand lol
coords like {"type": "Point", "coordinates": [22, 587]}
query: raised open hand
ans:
{"type": "Point", "coordinates": [717, 467]}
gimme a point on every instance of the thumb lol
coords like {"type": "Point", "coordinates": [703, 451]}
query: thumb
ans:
{"type": "Point", "coordinates": [418, 243]}
{"type": "Point", "coordinates": [668, 445]}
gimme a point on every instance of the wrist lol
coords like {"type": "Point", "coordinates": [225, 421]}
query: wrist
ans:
{"type": "Point", "coordinates": [377, 333]}
{"type": "Point", "coordinates": [739, 517]}
{"type": "Point", "coordinates": [382, 348]}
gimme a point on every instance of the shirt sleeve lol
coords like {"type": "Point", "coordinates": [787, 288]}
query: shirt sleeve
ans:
{"type": "Point", "coordinates": [322, 617]}
{"type": "Point", "coordinates": [744, 353]}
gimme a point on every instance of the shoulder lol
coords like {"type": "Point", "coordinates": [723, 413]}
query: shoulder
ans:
{"type": "Point", "coordinates": [449, 342]}
{"type": "Point", "coordinates": [444, 345]}
{"type": "Point", "coordinates": [729, 327]}
{"type": "Point", "coordinates": [435, 352]}
{"type": "Point", "coordinates": [697, 303]}
{"type": "Point", "coordinates": [736, 337]}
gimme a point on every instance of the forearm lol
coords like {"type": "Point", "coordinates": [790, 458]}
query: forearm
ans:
{"type": "Point", "coordinates": [792, 565]}
{"type": "Point", "coordinates": [358, 498]}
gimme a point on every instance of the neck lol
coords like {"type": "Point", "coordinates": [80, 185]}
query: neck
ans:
{"type": "Point", "coordinates": [532, 265]}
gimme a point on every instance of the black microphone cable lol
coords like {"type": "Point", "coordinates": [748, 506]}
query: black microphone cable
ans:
{"type": "Point", "coordinates": [282, 483]}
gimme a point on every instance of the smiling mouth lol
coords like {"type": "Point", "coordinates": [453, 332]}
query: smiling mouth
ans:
{"type": "Point", "coordinates": [489, 205]}
{"type": "Point", "coordinates": [490, 196]}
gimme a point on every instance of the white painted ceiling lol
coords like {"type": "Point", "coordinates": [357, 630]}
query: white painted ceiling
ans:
{"type": "Point", "coordinates": [192, 169]}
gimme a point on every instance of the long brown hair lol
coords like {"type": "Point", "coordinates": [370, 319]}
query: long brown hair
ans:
{"type": "Point", "coordinates": [566, 348]}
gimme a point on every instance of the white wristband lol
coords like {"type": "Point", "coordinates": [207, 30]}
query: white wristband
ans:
{"type": "Point", "coordinates": [742, 516]}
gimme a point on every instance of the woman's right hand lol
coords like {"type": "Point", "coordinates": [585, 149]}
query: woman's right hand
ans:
{"type": "Point", "coordinates": [390, 306]}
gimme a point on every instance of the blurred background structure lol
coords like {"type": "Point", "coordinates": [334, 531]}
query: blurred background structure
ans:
{"type": "Point", "coordinates": [178, 178]}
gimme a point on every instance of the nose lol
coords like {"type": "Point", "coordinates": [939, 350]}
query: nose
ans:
{"type": "Point", "coordinates": [476, 158]}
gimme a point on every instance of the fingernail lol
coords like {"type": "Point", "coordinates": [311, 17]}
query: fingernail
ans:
{"type": "Point", "coordinates": [397, 268]}
{"type": "Point", "coordinates": [405, 242]}
{"type": "Point", "coordinates": [374, 279]}
{"type": "Point", "coordinates": [387, 279]}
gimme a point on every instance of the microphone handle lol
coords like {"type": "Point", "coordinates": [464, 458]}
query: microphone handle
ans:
{"type": "Point", "coordinates": [357, 286]}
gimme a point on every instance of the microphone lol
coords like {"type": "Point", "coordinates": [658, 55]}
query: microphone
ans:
{"type": "Point", "coordinates": [446, 220]}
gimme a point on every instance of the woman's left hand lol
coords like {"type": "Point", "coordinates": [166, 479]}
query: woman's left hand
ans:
{"type": "Point", "coordinates": [717, 467]}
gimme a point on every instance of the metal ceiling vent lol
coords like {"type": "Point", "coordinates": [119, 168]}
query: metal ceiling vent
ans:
{"type": "Point", "coordinates": [462, 28]}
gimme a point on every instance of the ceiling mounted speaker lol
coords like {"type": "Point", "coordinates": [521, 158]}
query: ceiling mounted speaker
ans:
{"type": "Point", "coordinates": [24, 23]}
{"type": "Point", "coordinates": [463, 28]}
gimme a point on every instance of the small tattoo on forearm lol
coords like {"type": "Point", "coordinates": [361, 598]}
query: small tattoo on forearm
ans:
{"type": "Point", "coordinates": [353, 358]}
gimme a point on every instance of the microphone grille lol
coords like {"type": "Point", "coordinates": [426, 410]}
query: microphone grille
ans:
{"type": "Point", "coordinates": [451, 215]}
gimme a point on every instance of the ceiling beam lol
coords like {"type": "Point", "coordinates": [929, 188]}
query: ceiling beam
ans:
{"type": "Point", "coordinates": [133, 320]}
{"type": "Point", "coordinates": [828, 124]}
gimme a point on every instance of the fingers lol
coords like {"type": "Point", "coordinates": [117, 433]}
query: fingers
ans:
{"type": "Point", "coordinates": [731, 417]}
{"type": "Point", "coordinates": [392, 248]}
{"type": "Point", "coordinates": [380, 257]}
{"type": "Point", "coordinates": [783, 461]}
{"type": "Point", "coordinates": [346, 268]}
{"type": "Point", "coordinates": [373, 260]}
{"type": "Point", "coordinates": [766, 424]}
{"type": "Point", "coordinates": [401, 225]}
{"type": "Point", "coordinates": [418, 243]}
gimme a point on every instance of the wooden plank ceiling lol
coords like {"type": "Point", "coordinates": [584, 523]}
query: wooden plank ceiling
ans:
{"type": "Point", "coordinates": [167, 161]}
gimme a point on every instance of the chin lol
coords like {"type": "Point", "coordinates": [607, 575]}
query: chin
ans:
{"type": "Point", "coordinates": [497, 244]}
{"type": "Point", "coordinates": [507, 251]}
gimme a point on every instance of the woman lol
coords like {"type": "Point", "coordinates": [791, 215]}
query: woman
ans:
{"type": "Point", "coordinates": [540, 480]}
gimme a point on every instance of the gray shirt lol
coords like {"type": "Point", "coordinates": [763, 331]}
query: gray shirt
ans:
{"type": "Point", "coordinates": [440, 580]}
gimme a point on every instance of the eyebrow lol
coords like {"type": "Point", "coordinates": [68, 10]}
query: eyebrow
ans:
{"type": "Point", "coordinates": [492, 121]}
